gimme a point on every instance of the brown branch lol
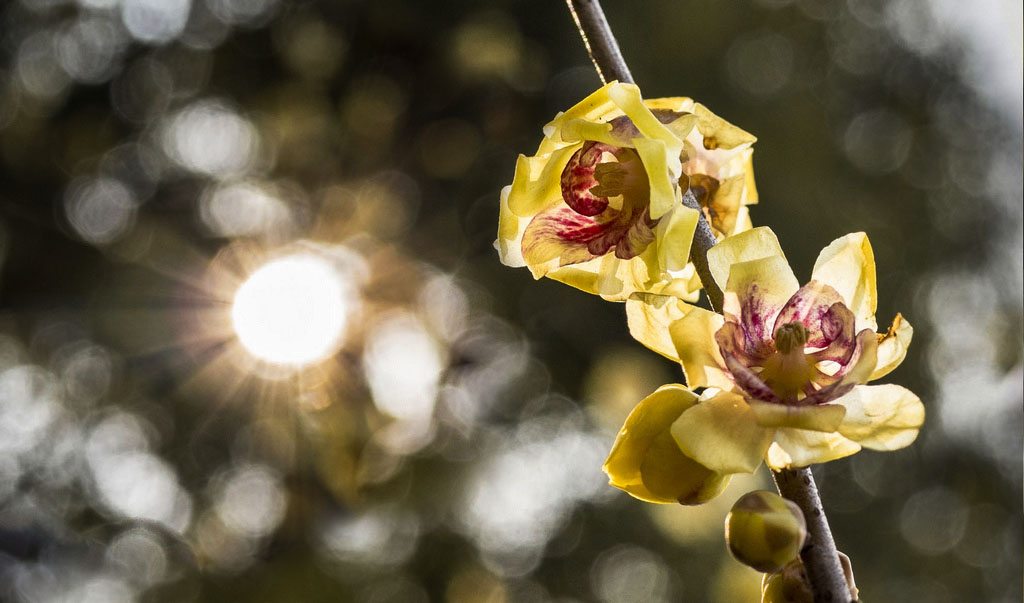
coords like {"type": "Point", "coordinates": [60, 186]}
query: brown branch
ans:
{"type": "Point", "coordinates": [819, 555]}
{"type": "Point", "coordinates": [597, 37]}
{"type": "Point", "coordinates": [820, 558]}
{"type": "Point", "coordinates": [604, 52]}
{"type": "Point", "coordinates": [703, 240]}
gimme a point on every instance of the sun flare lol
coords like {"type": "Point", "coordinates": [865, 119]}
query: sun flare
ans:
{"type": "Point", "coordinates": [291, 311]}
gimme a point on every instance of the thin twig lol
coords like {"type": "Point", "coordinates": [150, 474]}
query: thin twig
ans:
{"type": "Point", "coordinates": [820, 557]}
{"type": "Point", "coordinates": [703, 239]}
{"type": "Point", "coordinates": [604, 52]}
{"type": "Point", "coordinates": [599, 41]}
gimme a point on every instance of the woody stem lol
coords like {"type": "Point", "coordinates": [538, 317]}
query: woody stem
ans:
{"type": "Point", "coordinates": [607, 58]}
{"type": "Point", "coordinates": [819, 555]}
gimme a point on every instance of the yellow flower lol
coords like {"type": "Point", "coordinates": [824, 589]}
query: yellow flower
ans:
{"type": "Point", "coordinates": [599, 206]}
{"type": "Point", "coordinates": [784, 365]}
{"type": "Point", "coordinates": [646, 462]}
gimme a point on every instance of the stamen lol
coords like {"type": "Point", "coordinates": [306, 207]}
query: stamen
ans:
{"type": "Point", "coordinates": [791, 336]}
{"type": "Point", "coordinates": [611, 178]}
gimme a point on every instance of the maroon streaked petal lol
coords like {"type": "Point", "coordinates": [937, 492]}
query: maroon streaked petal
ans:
{"type": "Point", "coordinates": [624, 129]}
{"type": "Point", "coordinates": [808, 306]}
{"type": "Point", "coordinates": [827, 393]}
{"type": "Point", "coordinates": [638, 236]}
{"type": "Point", "coordinates": [755, 315]}
{"type": "Point", "coordinates": [821, 378]}
{"type": "Point", "coordinates": [559, 233]}
{"type": "Point", "coordinates": [578, 179]}
{"type": "Point", "coordinates": [864, 339]}
{"type": "Point", "coordinates": [732, 340]}
{"type": "Point", "coordinates": [562, 233]}
{"type": "Point", "coordinates": [748, 380]}
{"type": "Point", "coordinates": [667, 116]}
{"type": "Point", "coordinates": [837, 328]}
{"type": "Point", "coordinates": [842, 382]}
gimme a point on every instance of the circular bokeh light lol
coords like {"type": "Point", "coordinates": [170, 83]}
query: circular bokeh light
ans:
{"type": "Point", "coordinates": [291, 310]}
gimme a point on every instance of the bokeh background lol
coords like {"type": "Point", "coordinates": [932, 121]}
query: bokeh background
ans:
{"type": "Point", "coordinates": [154, 152]}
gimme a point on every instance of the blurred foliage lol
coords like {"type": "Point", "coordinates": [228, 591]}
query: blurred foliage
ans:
{"type": "Point", "coordinates": [154, 152]}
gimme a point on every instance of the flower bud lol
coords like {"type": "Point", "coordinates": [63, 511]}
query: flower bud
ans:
{"type": "Point", "coordinates": [787, 586]}
{"type": "Point", "coordinates": [765, 531]}
{"type": "Point", "coordinates": [790, 585]}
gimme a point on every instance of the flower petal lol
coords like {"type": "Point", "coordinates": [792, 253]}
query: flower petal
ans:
{"type": "Point", "coordinates": [578, 178]}
{"type": "Point", "coordinates": [649, 317]}
{"type": "Point", "coordinates": [800, 448]}
{"type": "Point", "coordinates": [560, 234]}
{"type": "Point", "coordinates": [578, 129]}
{"type": "Point", "coordinates": [857, 371]}
{"type": "Point", "coordinates": [753, 244]}
{"type": "Point", "coordinates": [722, 434]}
{"type": "Point", "coordinates": [837, 331]}
{"type": "Point", "coordinates": [892, 347]}
{"type": "Point", "coordinates": [670, 476]}
{"type": "Point", "coordinates": [882, 417]}
{"type": "Point", "coordinates": [748, 380]}
{"type": "Point", "coordinates": [848, 265]}
{"type": "Point", "coordinates": [537, 183]}
{"type": "Point", "coordinates": [732, 340]}
{"type": "Point", "coordinates": [826, 417]}
{"type": "Point", "coordinates": [596, 105]}
{"type": "Point", "coordinates": [627, 97]}
{"type": "Point", "coordinates": [719, 133]}
{"type": "Point", "coordinates": [510, 233]}
{"type": "Point", "coordinates": [675, 234]}
{"type": "Point", "coordinates": [756, 291]}
{"type": "Point", "coordinates": [808, 306]}
{"type": "Point", "coordinates": [656, 158]}
{"type": "Point", "coordinates": [651, 417]}
{"type": "Point", "coordinates": [608, 276]}
{"type": "Point", "coordinates": [694, 339]}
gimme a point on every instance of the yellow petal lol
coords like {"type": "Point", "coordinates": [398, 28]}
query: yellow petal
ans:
{"type": "Point", "coordinates": [694, 338]}
{"type": "Point", "coordinates": [579, 130]}
{"type": "Point", "coordinates": [627, 97]}
{"type": "Point", "coordinates": [597, 105]}
{"type": "Point", "coordinates": [719, 133]}
{"type": "Point", "coordinates": [654, 414]}
{"type": "Point", "coordinates": [763, 285]}
{"type": "Point", "coordinates": [892, 347]}
{"type": "Point", "coordinates": [537, 184]}
{"type": "Point", "coordinates": [650, 466]}
{"type": "Point", "coordinates": [649, 316]}
{"type": "Point", "coordinates": [671, 476]}
{"type": "Point", "coordinates": [753, 244]}
{"type": "Point", "coordinates": [722, 434]}
{"type": "Point", "coordinates": [865, 363]}
{"type": "Point", "coordinates": [681, 104]}
{"type": "Point", "coordinates": [800, 448]}
{"type": "Point", "coordinates": [682, 125]}
{"type": "Point", "coordinates": [655, 156]}
{"type": "Point", "coordinates": [748, 171]}
{"type": "Point", "coordinates": [612, 278]}
{"type": "Point", "coordinates": [882, 417]}
{"type": "Point", "coordinates": [848, 265]}
{"type": "Point", "coordinates": [675, 234]}
{"type": "Point", "coordinates": [510, 234]}
{"type": "Point", "coordinates": [825, 417]}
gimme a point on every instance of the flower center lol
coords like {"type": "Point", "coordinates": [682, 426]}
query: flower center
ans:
{"type": "Point", "coordinates": [791, 335]}
{"type": "Point", "coordinates": [625, 176]}
{"type": "Point", "coordinates": [789, 371]}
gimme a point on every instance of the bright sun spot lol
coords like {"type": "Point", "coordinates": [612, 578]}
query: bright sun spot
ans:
{"type": "Point", "coordinates": [291, 310]}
